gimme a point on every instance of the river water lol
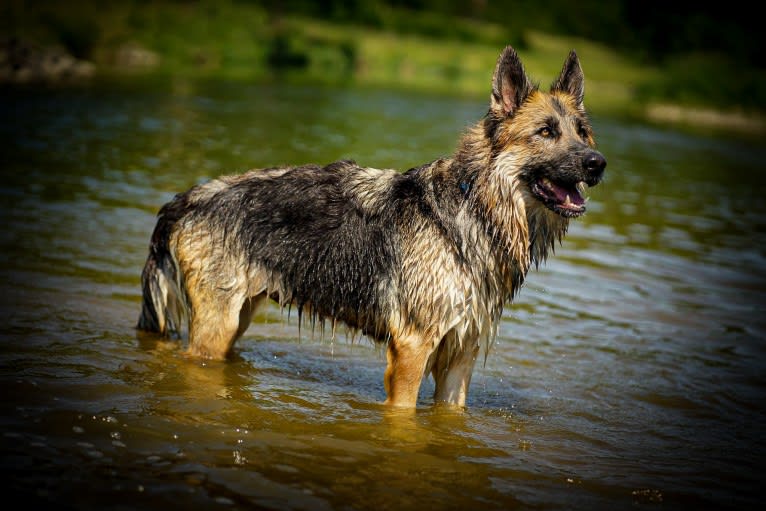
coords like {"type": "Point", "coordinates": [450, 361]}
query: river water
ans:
{"type": "Point", "coordinates": [628, 374]}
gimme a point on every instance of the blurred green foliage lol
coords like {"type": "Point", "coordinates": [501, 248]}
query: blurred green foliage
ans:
{"type": "Point", "coordinates": [635, 53]}
{"type": "Point", "coordinates": [654, 30]}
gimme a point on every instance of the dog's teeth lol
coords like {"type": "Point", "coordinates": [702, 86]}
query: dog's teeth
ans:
{"type": "Point", "coordinates": [567, 202]}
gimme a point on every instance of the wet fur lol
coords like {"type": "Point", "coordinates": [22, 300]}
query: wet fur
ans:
{"type": "Point", "coordinates": [423, 260]}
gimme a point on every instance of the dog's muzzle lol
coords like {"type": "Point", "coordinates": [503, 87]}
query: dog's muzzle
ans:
{"type": "Point", "coordinates": [565, 195]}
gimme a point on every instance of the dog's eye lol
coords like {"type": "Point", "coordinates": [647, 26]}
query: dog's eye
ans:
{"type": "Point", "coordinates": [584, 133]}
{"type": "Point", "coordinates": [545, 132]}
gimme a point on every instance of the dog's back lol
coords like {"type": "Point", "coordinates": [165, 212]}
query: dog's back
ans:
{"type": "Point", "coordinates": [324, 240]}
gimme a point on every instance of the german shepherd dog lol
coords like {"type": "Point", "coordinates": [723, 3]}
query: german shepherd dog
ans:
{"type": "Point", "coordinates": [423, 260]}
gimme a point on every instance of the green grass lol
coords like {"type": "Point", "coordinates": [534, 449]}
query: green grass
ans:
{"type": "Point", "coordinates": [230, 40]}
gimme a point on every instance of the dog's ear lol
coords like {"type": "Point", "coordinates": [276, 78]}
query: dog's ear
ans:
{"type": "Point", "coordinates": [571, 80]}
{"type": "Point", "coordinates": [510, 85]}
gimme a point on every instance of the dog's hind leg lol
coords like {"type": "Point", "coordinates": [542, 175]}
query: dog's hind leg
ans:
{"type": "Point", "coordinates": [247, 311]}
{"type": "Point", "coordinates": [452, 371]}
{"type": "Point", "coordinates": [215, 324]}
{"type": "Point", "coordinates": [407, 357]}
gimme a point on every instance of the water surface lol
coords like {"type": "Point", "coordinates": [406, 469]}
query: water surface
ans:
{"type": "Point", "coordinates": [628, 374]}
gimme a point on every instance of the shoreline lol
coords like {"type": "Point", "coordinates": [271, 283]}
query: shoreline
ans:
{"type": "Point", "coordinates": [752, 124]}
{"type": "Point", "coordinates": [24, 63]}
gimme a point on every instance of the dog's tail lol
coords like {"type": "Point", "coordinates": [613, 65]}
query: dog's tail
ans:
{"type": "Point", "coordinates": [164, 308]}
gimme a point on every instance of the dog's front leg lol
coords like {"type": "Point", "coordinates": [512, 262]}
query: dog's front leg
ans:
{"type": "Point", "coordinates": [452, 373]}
{"type": "Point", "coordinates": [407, 357]}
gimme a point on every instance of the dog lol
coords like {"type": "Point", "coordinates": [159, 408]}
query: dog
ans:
{"type": "Point", "coordinates": [424, 260]}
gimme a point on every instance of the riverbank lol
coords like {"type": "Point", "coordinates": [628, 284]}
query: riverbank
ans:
{"type": "Point", "coordinates": [244, 42]}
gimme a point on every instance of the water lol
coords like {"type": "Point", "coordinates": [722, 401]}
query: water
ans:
{"type": "Point", "coordinates": [629, 374]}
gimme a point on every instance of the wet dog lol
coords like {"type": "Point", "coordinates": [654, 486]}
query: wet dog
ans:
{"type": "Point", "coordinates": [422, 260]}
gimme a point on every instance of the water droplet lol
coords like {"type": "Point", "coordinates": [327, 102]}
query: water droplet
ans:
{"type": "Point", "coordinates": [647, 495]}
{"type": "Point", "coordinates": [239, 459]}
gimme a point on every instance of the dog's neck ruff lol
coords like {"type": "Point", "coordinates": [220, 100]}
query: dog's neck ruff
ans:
{"type": "Point", "coordinates": [507, 209]}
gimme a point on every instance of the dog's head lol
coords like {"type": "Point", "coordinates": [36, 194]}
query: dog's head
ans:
{"type": "Point", "coordinates": [544, 137]}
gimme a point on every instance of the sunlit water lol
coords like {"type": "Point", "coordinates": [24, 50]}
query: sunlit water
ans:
{"type": "Point", "coordinates": [629, 374]}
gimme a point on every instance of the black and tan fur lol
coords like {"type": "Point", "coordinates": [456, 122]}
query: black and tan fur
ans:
{"type": "Point", "coordinates": [423, 260]}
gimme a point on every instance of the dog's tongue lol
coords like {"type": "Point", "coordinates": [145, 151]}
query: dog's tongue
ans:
{"type": "Point", "coordinates": [566, 194]}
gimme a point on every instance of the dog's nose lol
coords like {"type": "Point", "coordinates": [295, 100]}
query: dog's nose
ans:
{"type": "Point", "coordinates": [594, 163]}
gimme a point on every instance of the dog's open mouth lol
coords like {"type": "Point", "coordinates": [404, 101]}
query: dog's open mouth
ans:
{"type": "Point", "coordinates": [566, 199]}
